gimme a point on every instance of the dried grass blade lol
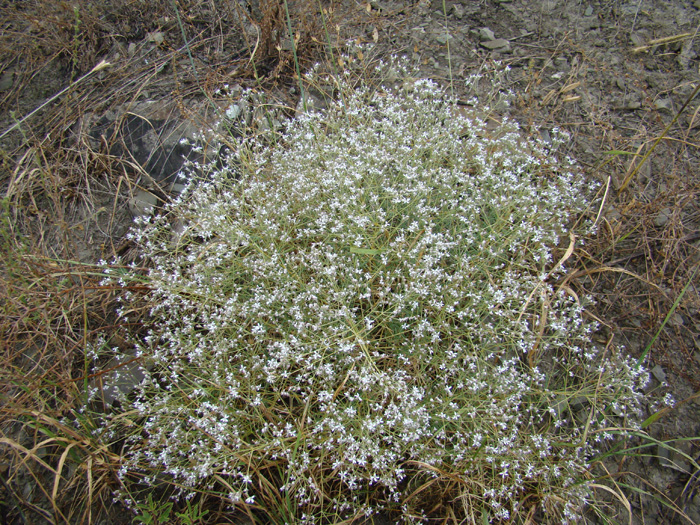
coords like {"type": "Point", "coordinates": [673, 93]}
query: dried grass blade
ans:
{"type": "Point", "coordinates": [59, 469]}
{"type": "Point", "coordinates": [619, 496]}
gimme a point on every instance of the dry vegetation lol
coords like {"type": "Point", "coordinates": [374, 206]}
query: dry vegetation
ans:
{"type": "Point", "coordinates": [64, 207]}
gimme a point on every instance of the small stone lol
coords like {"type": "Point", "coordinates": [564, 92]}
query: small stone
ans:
{"type": "Point", "coordinates": [679, 462]}
{"type": "Point", "coordinates": [687, 57]}
{"type": "Point", "coordinates": [443, 38]}
{"type": "Point", "coordinates": [423, 6]}
{"type": "Point", "coordinates": [613, 214]}
{"type": "Point", "coordinates": [664, 455]}
{"type": "Point", "coordinates": [500, 45]}
{"type": "Point", "coordinates": [590, 22]}
{"type": "Point", "coordinates": [562, 64]}
{"type": "Point", "coordinates": [458, 11]}
{"type": "Point", "coordinates": [589, 11]}
{"type": "Point", "coordinates": [131, 50]}
{"type": "Point", "coordinates": [548, 6]}
{"type": "Point", "coordinates": [143, 203]}
{"type": "Point", "coordinates": [485, 34]}
{"type": "Point", "coordinates": [637, 40]}
{"type": "Point", "coordinates": [157, 37]}
{"type": "Point", "coordinates": [662, 217]}
{"type": "Point", "coordinates": [664, 104]}
{"type": "Point", "coordinates": [126, 374]}
{"type": "Point", "coordinates": [676, 320]}
{"type": "Point", "coordinates": [177, 188]}
{"type": "Point", "coordinates": [659, 374]}
{"type": "Point", "coordinates": [286, 44]}
{"type": "Point", "coordinates": [233, 112]}
{"type": "Point", "coordinates": [6, 80]}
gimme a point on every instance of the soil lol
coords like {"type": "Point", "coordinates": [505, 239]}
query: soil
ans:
{"type": "Point", "coordinates": [615, 75]}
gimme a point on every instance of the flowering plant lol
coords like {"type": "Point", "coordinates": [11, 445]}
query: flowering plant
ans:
{"type": "Point", "coordinates": [363, 314]}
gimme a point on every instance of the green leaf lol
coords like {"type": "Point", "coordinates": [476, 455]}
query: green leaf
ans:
{"type": "Point", "coordinates": [364, 251]}
{"type": "Point", "coordinates": [620, 152]}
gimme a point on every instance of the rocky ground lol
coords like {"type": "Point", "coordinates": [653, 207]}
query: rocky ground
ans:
{"type": "Point", "coordinates": [618, 76]}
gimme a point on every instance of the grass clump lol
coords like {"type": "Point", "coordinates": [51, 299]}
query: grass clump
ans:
{"type": "Point", "coordinates": [362, 315]}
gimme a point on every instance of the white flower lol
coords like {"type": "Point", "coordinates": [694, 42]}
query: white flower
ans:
{"type": "Point", "coordinates": [362, 303]}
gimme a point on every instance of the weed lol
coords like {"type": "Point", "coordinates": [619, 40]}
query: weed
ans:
{"type": "Point", "coordinates": [368, 315]}
{"type": "Point", "coordinates": [153, 512]}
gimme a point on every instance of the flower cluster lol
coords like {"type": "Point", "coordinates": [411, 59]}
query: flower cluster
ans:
{"type": "Point", "coordinates": [368, 303]}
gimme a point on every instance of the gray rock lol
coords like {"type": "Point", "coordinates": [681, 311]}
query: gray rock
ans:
{"type": "Point", "coordinates": [485, 34]}
{"type": "Point", "coordinates": [157, 37]}
{"type": "Point", "coordinates": [234, 111]}
{"type": "Point", "coordinates": [662, 217]}
{"type": "Point", "coordinates": [637, 40]}
{"type": "Point", "coordinates": [443, 38]}
{"type": "Point", "coordinates": [664, 104]}
{"type": "Point", "coordinates": [148, 134]}
{"type": "Point", "coordinates": [659, 373]}
{"type": "Point", "coordinates": [676, 320]}
{"type": "Point", "coordinates": [630, 102]}
{"type": "Point", "coordinates": [687, 57]}
{"type": "Point", "coordinates": [590, 22]}
{"type": "Point", "coordinates": [124, 374]}
{"type": "Point", "coordinates": [6, 80]}
{"type": "Point", "coordinates": [500, 45]}
{"type": "Point", "coordinates": [143, 203]}
{"type": "Point", "coordinates": [548, 6]}
{"type": "Point", "coordinates": [613, 214]}
{"type": "Point", "coordinates": [458, 11]}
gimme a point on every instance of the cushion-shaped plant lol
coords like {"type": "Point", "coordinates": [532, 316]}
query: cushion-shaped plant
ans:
{"type": "Point", "coordinates": [365, 313]}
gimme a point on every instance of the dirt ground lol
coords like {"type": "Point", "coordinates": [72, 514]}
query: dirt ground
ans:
{"type": "Point", "coordinates": [620, 77]}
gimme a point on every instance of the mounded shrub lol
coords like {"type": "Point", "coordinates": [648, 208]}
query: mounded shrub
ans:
{"type": "Point", "coordinates": [366, 313]}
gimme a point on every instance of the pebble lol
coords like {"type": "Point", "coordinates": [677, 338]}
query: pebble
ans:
{"type": "Point", "coordinates": [659, 373]}
{"type": "Point", "coordinates": [143, 203]}
{"type": "Point", "coordinates": [127, 373]}
{"type": "Point", "coordinates": [637, 40]}
{"type": "Point", "coordinates": [676, 320]}
{"type": "Point", "coordinates": [485, 34]}
{"type": "Point", "coordinates": [443, 38]}
{"type": "Point", "coordinates": [500, 45]}
{"type": "Point", "coordinates": [662, 217]}
{"type": "Point", "coordinates": [590, 22]}
{"type": "Point", "coordinates": [664, 103]}
{"type": "Point", "coordinates": [613, 214]}
{"type": "Point", "coordinates": [157, 37]}
{"type": "Point", "coordinates": [6, 80]}
{"type": "Point", "coordinates": [458, 11]}
{"type": "Point", "coordinates": [631, 103]}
